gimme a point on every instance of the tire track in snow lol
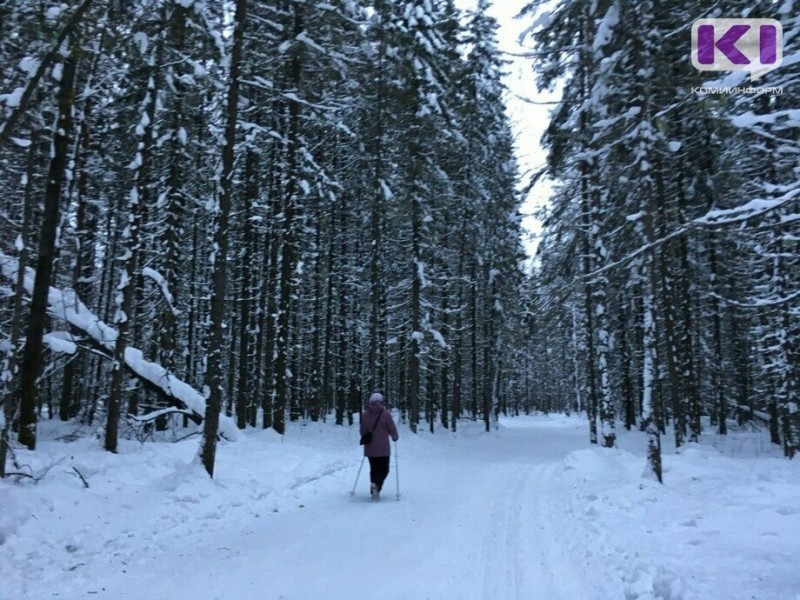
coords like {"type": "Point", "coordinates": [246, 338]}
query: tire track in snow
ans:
{"type": "Point", "coordinates": [524, 553]}
{"type": "Point", "coordinates": [503, 573]}
{"type": "Point", "coordinates": [561, 568]}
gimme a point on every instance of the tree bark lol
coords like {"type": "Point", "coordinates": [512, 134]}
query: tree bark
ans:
{"type": "Point", "coordinates": [214, 375]}
{"type": "Point", "coordinates": [289, 255]}
{"type": "Point", "coordinates": [32, 352]}
{"type": "Point", "coordinates": [10, 362]}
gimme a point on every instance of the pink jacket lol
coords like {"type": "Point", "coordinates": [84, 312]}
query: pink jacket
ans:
{"type": "Point", "coordinates": [384, 429]}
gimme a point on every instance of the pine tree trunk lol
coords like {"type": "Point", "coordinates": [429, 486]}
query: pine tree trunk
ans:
{"type": "Point", "coordinates": [489, 350]}
{"type": "Point", "coordinates": [588, 232]}
{"type": "Point", "coordinates": [445, 359]}
{"type": "Point", "coordinates": [376, 342]}
{"type": "Point", "coordinates": [191, 343]}
{"type": "Point", "coordinates": [32, 351]}
{"type": "Point", "coordinates": [315, 391]}
{"type": "Point", "coordinates": [131, 242]}
{"type": "Point", "coordinates": [214, 375]}
{"type": "Point", "coordinates": [474, 337]}
{"type": "Point", "coordinates": [576, 367]}
{"type": "Point", "coordinates": [590, 359]}
{"type": "Point", "coordinates": [787, 355]}
{"type": "Point", "coordinates": [85, 239]}
{"type": "Point", "coordinates": [340, 375]}
{"type": "Point", "coordinates": [741, 360]}
{"type": "Point", "coordinates": [720, 401]}
{"type": "Point", "coordinates": [329, 361]}
{"type": "Point", "coordinates": [270, 289]}
{"type": "Point", "coordinates": [600, 306]}
{"type": "Point", "coordinates": [628, 400]}
{"type": "Point", "coordinates": [416, 311]}
{"type": "Point", "coordinates": [649, 405]}
{"type": "Point", "coordinates": [458, 344]}
{"type": "Point", "coordinates": [9, 368]}
{"type": "Point", "coordinates": [289, 255]}
{"type": "Point", "coordinates": [692, 403]}
{"type": "Point", "coordinates": [245, 390]}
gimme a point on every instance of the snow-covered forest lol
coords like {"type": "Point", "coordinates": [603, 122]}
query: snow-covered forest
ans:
{"type": "Point", "coordinates": [669, 277]}
{"type": "Point", "coordinates": [226, 216]}
{"type": "Point", "coordinates": [279, 204]}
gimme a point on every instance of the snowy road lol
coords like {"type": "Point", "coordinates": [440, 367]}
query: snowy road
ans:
{"type": "Point", "coordinates": [472, 523]}
{"type": "Point", "coordinates": [527, 512]}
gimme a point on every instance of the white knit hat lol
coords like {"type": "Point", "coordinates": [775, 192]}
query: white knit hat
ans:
{"type": "Point", "coordinates": [376, 397]}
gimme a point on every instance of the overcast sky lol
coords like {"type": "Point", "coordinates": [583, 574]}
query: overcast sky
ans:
{"type": "Point", "coordinates": [529, 120]}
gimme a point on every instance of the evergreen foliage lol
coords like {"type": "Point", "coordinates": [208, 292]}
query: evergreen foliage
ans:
{"type": "Point", "coordinates": [285, 205]}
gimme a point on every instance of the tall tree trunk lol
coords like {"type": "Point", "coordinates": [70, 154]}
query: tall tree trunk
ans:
{"type": "Point", "coordinates": [588, 232]}
{"type": "Point", "coordinates": [591, 372]}
{"type": "Point", "coordinates": [489, 348]}
{"type": "Point", "coordinates": [315, 400]}
{"type": "Point", "coordinates": [341, 363]}
{"type": "Point", "coordinates": [672, 346]}
{"type": "Point", "coordinates": [650, 340]}
{"type": "Point", "coordinates": [416, 310]}
{"type": "Point", "coordinates": [576, 366]}
{"type": "Point", "coordinates": [271, 284]}
{"type": "Point", "coordinates": [474, 337]}
{"type": "Point", "coordinates": [601, 303]}
{"type": "Point", "coordinates": [32, 351]}
{"type": "Point", "coordinates": [214, 375]}
{"type": "Point", "coordinates": [652, 199]}
{"type": "Point", "coordinates": [131, 241]}
{"type": "Point", "coordinates": [328, 375]}
{"type": "Point", "coordinates": [9, 394]}
{"type": "Point", "coordinates": [692, 406]}
{"type": "Point", "coordinates": [245, 390]}
{"type": "Point", "coordinates": [445, 353]}
{"type": "Point", "coordinates": [377, 343]}
{"type": "Point", "coordinates": [85, 238]}
{"type": "Point", "coordinates": [628, 401]}
{"type": "Point", "coordinates": [458, 345]}
{"type": "Point", "coordinates": [289, 256]}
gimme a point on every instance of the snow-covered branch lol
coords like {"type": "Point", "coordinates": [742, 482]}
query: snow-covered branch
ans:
{"type": "Point", "coordinates": [755, 208]}
{"type": "Point", "coordinates": [20, 104]}
{"type": "Point", "coordinates": [162, 284]}
{"type": "Point", "coordinates": [64, 304]}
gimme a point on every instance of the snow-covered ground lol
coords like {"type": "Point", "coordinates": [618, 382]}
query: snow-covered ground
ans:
{"type": "Point", "coordinates": [527, 511]}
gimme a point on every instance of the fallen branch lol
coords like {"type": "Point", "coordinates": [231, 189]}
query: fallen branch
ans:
{"type": "Point", "coordinates": [67, 306]}
{"type": "Point", "coordinates": [762, 416]}
{"type": "Point", "coordinates": [164, 395]}
{"type": "Point", "coordinates": [40, 476]}
{"type": "Point", "coordinates": [187, 436]}
{"type": "Point", "coordinates": [142, 424]}
{"type": "Point", "coordinates": [83, 479]}
{"type": "Point", "coordinates": [152, 416]}
{"type": "Point", "coordinates": [19, 474]}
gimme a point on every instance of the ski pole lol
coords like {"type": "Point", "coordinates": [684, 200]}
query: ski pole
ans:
{"type": "Point", "coordinates": [353, 491]}
{"type": "Point", "coordinates": [396, 470]}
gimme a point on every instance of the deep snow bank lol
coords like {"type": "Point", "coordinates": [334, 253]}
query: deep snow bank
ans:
{"type": "Point", "coordinates": [725, 524]}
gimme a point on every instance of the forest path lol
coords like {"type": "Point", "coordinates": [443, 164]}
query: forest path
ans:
{"type": "Point", "coordinates": [473, 522]}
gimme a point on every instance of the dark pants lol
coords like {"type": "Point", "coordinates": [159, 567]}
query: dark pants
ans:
{"type": "Point", "coordinates": [378, 469]}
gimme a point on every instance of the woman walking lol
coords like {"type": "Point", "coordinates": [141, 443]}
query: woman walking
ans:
{"type": "Point", "coordinates": [377, 421]}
